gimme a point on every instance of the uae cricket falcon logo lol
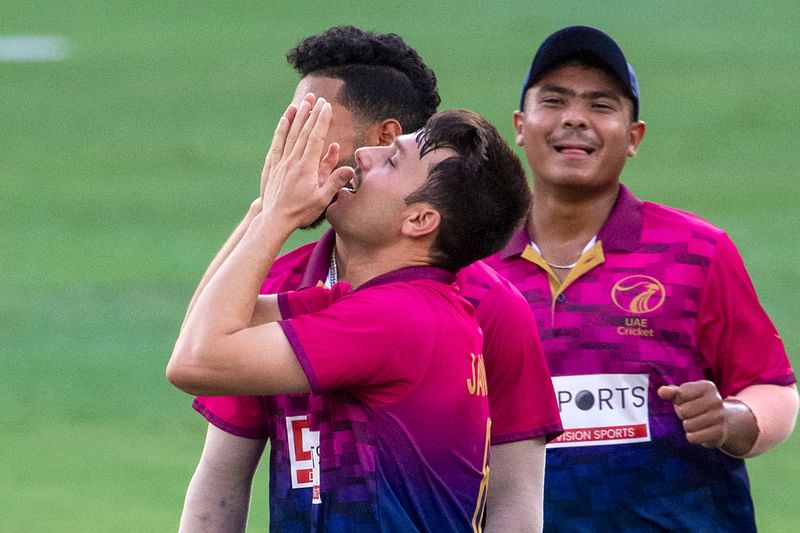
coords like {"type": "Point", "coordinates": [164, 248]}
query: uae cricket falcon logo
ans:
{"type": "Point", "coordinates": [638, 294]}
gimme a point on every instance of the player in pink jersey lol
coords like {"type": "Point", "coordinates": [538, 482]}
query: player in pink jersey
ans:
{"type": "Point", "coordinates": [521, 402]}
{"type": "Point", "coordinates": [667, 369]}
{"type": "Point", "coordinates": [376, 357]}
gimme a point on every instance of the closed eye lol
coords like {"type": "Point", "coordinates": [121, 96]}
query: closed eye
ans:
{"type": "Point", "coordinates": [551, 101]}
{"type": "Point", "coordinates": [603, 106]}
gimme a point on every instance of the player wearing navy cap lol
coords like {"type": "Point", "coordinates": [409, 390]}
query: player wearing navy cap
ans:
{"type": "Point", "coordinates": [667, 370]}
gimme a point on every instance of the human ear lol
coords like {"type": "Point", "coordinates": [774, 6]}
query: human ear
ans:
{"type": "Point", "coordinates": [519, 119]}
{"type": "Point", "coordinates": [638, 129]}
{"type": "Point", "coordinates": [388, 131]}
{"type": "Point", "coordinates": [421, 220]}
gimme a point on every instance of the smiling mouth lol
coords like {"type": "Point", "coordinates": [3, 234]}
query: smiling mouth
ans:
{"type": "Point", "coordinates": [562, 148]}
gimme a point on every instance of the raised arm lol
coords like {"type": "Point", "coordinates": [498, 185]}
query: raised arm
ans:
{"type": "Point", "coordinates": [218, 350]}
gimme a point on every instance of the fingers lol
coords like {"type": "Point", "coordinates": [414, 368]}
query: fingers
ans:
{"type": "Point", "coordinates": [318, 131]}
{"type": "Point", "coordinates": [338, 179]}
{"type": "Point", "coordinates": [329, 160]}
{"type": "Point", "coordinates": [298, 182]}
{"type": "Point", "coordinates": [311, 137]}
{"type": "Point", "coordinates": [708, 429]}
{"type": "Point", "coordinates": [700, 408]}
{"type": "Point", "coordinates": [278, 143]}
{"type": "Point", "coordinates": [689, 391]}
{"type": "Point", "coordinates": [307, 104]}
{"type": "Point", "coordinates": [667, 392]}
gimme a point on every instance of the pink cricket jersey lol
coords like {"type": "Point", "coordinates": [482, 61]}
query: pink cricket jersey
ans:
{"type": "Point", "coordinates": [521, 400]}
{"type": "Point", "coordinates": [399, 401]}
{"type": "Point", "coordinates": [661, 298]}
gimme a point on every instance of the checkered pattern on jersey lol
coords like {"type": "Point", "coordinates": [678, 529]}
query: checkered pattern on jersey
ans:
{"type": "Point", "coordinates": [649, 299]}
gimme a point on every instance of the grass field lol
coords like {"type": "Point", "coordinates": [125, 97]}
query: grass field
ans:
{"type": "Point", "coordinates": [125, 166]}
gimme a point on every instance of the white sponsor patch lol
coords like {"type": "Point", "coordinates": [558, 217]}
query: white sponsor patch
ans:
{"type": "Point", "coordinates": [303, 455]}
{"type": "Point", "coordinates": [602, 409]}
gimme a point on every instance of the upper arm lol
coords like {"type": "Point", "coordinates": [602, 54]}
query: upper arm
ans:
{"type": "Point", "coordinates": [266, 310]}
{"type": "Point", "coordinates": [255, 360]}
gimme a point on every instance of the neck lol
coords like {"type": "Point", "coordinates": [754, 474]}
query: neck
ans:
{"type": "Point", "coordinates": [358, 264]}
{"type": "Point", "coordinates": [562, 224]}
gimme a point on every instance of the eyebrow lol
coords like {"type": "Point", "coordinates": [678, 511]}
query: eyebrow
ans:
{"type": "Point", "coordinates": [592, 95]}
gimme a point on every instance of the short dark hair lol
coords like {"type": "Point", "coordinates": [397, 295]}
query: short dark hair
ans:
{"type": "Point", "coordinates": [383, 76]}
{"type": "Point", "coordinates": [481, 193]}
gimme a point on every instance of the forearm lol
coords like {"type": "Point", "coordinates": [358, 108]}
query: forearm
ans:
{"type": "Point", "coordinates": [219, 494]}
{"type": "Point", "coordinates": [223, 254]}
{"type": "Point", "coordinates": [516, 487]}
{"type": "Point", "coordinates": [217, 352]}
{"type": "Point", "coordinates": [773, 409]}
{"type": "Point", "coordinates": [226, 303]}
{"type": "Point", "coordinates": [215, 508]}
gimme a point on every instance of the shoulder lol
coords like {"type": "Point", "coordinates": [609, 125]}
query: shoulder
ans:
{"type": "Point", "coordinates": [480, 278]}
{"type": "Point", "coordinates": [415, 299]}
{"type": "Point", "coordinates": [502, 312]}
{"type": "Point", "coordinates": [481, 284]}
{"type": "Point", "coordinates": [697, 237]}
{"type": "Point", "coordinates": [661, 217]}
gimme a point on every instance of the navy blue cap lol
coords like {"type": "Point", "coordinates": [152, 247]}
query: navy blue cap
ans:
{"type": "Point", "coordinates": [582, 40]}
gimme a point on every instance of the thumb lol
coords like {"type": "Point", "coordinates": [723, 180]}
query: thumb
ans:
{"type": "Point", "coordinates": [668, 392]}
{"type": "Point", "coordinates": [337, 179]}
{"type": "Point", "coordinates": [329, 160]}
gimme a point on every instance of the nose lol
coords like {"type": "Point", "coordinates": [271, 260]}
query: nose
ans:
{"type": "Point", "coordinates": [574, 117]}
{"type": "Point", "coordinates": [365, 155]}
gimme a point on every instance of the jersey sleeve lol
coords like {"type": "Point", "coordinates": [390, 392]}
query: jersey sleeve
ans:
{"type": "Point", "coordinates": [361, 343]}
{"type": "Point", "coordinates": [310, 300]}
{"type": "Point", "coordinates": [522, 400]}
{"type": "Point", "coordinates": [735, 336]}
{"type": "Point", "coordinates": [244, 416]}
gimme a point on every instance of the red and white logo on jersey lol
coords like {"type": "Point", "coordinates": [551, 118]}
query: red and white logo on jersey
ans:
{"type": "Point", "coordinates": [638, 294]}
{"type": "Point", "coordinates": [303, 455]}
{"type": "Point", "coordinates": [602, 409]}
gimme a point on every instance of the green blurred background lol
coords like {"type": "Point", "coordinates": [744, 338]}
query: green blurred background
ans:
{"type": "Point", "coordinates": [124, 167]}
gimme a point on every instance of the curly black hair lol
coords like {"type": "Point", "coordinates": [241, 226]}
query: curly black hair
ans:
{"type": "Point", "coordinates": [383, 76]}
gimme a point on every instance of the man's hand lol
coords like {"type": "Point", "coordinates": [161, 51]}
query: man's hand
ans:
{"type": "Point", "coordinates": [298, 181]}
{"type": "Point", "coordinates": [710, 421]}
{"type": "Point", "coordinates": [699, 405]}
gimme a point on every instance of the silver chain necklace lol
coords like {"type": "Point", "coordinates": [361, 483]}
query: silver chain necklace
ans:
{"type": "Point", "coordinates": [553, 265]}
{"type": "Point", "coordinates": [333, 271]}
